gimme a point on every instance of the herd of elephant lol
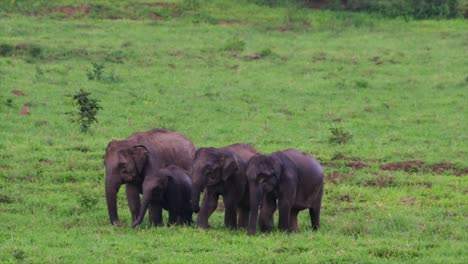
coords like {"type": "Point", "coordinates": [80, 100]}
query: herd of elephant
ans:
{"type": "Point", "coordinates": [170, 173]}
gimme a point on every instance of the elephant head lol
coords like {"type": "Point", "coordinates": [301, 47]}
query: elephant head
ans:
{"type": "Point", "coordinates": [124, 163]}
{"type": "Point", "coordinates": [154, 188]}
{"type": "Point", "coordinates": [263, 173]}
{"type": "Point", "coordinates": [211, 167]}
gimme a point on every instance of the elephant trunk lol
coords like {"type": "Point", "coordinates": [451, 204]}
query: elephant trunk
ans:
{"type": "Point", "coordinates": [112, 188]}
{"type": "Point", "coordinates": [144, 206]}
{"type": "Point", "coordinates": [255, 198]}
{"type": "Point", "coordinates": [196, 190]}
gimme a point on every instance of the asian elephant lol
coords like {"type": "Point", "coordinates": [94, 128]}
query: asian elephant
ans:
{"type": "Point", "coordinates": [127, 161]}
{"type": "Point", "coordinates": [292, 178]}
{"type": "Point", "coordinates": [169, 188]}
{"type": "Point", "coordinates": [221, 171]}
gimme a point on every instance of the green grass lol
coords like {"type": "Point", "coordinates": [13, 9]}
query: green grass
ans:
{"type": "Point", "coordinates": [222, 73]}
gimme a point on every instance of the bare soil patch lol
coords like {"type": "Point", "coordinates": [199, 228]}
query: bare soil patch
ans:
{"type": "Point", "coordinates": [18, 92]}
{"type": "Point", "coordinates": [408, 166]}
{"type": "Point", "coordinates": [336, 177]}
{"type": "Point", "coordinates": [70, 10]}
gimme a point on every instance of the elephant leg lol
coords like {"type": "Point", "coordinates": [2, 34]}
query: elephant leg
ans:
{"type": "Point", "coordinates": [173, 219]}
{"type": "Point", "coordinates": [284, 209]}
{"type": "Point", "coordinates": [293, 220]}
{"type": "Point", "coordinates": [210, 201]}
{"type": "Point", "coordinates": [267, 210]}
{"type": "Point", "coordinates": [133, 199]}
{"type": "Point", "coordinates": [315, 217]}
{"type": "Point", "coordinates": [243, 219]}
{"type": "Point", "coordinates": [230, 214]}
{"type": "Point", "coordinates": [155, 214]}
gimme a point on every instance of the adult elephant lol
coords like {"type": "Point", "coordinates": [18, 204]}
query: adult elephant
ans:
{"type": "Point", "coordinates": [292, 178]}
{"type": "Point", "coordinates": [221, 171]}
{"type": "Point", "coordinates": [128, 160]}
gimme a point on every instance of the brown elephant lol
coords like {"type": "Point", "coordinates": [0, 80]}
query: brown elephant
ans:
{"type": "Point", "coordinates": [221, 171]}
{"type": "Point", "coordinates": [127, 161]}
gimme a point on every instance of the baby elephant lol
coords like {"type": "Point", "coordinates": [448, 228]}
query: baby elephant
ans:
{"type": "Point", "coordinates": [170, 189]}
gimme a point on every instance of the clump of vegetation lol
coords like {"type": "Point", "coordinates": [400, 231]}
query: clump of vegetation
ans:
{"type": "Point", "coordinates": [234, 45]}
{"type": "Point", "coordinates": [339, 135]}
{"type": "Point", "coordinates": [97, 74]}
{"type": "Point", "coordinates": [88, 108]}
{"type": "Point", "coordinates": [6, 50]}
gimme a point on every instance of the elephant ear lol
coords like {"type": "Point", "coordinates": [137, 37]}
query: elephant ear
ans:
{"type": "Point", "coordinates": [231, 165]}
{"type": "Point", "coordinates": [164, 181]}
{"type": "Point", "coordinates": [278, 167]}
{"type": "Point", "coordinates": [139, 156]}
{"type": "Point", "coordinates": [252, 171]}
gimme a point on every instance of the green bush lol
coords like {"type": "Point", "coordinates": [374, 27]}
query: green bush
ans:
{"type": "Point", "coordinates": [87, 110]}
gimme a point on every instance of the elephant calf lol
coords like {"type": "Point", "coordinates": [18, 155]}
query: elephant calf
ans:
{"type": "Point", "coordinates": [170, 189]}
{"type": "Point", "coordinates": [293, 178]}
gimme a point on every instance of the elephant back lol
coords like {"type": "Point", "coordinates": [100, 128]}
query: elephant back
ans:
{"type": "Point", "coordinates": [169, 147]}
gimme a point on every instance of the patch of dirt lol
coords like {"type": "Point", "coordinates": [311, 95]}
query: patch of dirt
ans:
{"type": "Point", "coordinates": [157, 4]}
{"type": "Point", "coordinates": [377, 60]}
{"type": "Point", "coordinates": [336, 177]}
{"type": "Point", "coordinates": [70, 10]}
{"type": "Point", "coordinates": [408, 201]}
{"type": "Point", "coordinates": [229, 22]}
{"type": "Point", "coordinates": [254, 57]}
{"type": "Point", "coordinates": [462, 172]}
{"type": "Point", "coordinates": [25, 111]}
{"type": "Point", "coordinates": [408, 166]}
{"type": "Point", "coordinates": [156, 16]}
{"type": "Point", "coordinates": [45, 162]}
{"type": "Point", "coordinates": [320, 57]}
{"type": "Point", "coordinates": [356, 164]}
{"type": "Point", "coordinates": [441, 167]}
{"type": "Point", "coordinates": [283, 28]}
{"type": "Point", "coordinates": [381, 181]}
{"type": "Point", "coordinates": [18, 92]}
{"type": "Point", "coordinates": [345, 198]}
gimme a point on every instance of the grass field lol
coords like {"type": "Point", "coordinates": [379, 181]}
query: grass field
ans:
{"type": "Point", "coordinates": [224, 72]}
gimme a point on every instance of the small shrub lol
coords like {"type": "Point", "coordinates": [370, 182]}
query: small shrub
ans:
{"type": "Point", "coordinates": [6, 50]}
{"type": "Point", "coordinates": [97, 73]}
{"type": "Point", "coordinates": [19, 254]}
{"type": "Point", "coordinates": [87, 110]}
{"type": "Point", "coordinates": [234, 45]}
{"type": "Point", "coordinates": [361, 84]}
{"type": "Point", "coordinates": [266, 53]}
{"type": "Point", "coordinates": [339, 135]}
{"type": "Point", "coordinates": [9, 102]}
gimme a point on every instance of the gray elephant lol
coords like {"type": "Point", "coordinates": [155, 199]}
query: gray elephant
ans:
{"type": "Point", "coordinates": [290, 177]}
{"type": "Point", "coordinates": [128, 161]}
{"type": "Point", "coordinates": [221, 171]}
{"type": "Point", "coordinates": [169, 188]}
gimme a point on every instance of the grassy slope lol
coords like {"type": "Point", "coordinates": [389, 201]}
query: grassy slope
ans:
{"type": "Point", "coordinates": [399, 87]}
